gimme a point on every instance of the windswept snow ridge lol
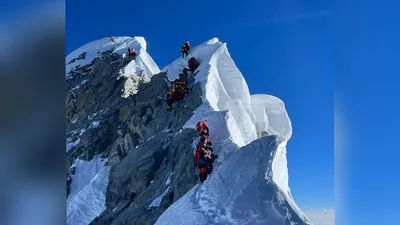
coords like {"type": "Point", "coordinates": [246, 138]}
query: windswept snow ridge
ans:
{"type": "Point", "coordinates": [235, 117]}
{"type": "Point", "coordinates": [225, 94]}
{"type": "Point", "coordinates": [273, 119]}
{"type": "Point", "coordinates": [271, 115]}
{"type": "Point", "coordinates": [225, 90]}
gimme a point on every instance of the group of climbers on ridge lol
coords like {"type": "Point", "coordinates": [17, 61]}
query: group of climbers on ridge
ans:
{"type": "Point", "coordinates": [204, 157]}
{"type": "Point", "coordinates": [179, 86]}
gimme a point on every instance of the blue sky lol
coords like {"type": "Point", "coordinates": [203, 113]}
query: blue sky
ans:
{"type": "Point", "coordinates": [367, 88]}
{"type": "Point", "coordinates": [283, 48]}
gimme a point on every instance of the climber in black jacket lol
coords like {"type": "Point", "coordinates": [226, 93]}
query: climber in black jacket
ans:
{"type": "Point", "coordinates": [185, 49]}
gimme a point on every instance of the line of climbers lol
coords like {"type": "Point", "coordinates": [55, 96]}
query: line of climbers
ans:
{"type": "Point", "coordinates": [179, 86]}
{"type": "Point", "coordinates": [204, 157]}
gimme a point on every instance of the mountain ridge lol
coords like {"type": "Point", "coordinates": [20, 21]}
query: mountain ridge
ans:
{"type": "Point", "coordinates": [220, 95]}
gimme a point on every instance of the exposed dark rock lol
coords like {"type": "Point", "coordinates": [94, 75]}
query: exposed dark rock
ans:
{"type": "Point", "coordinates": [140, 138]}
{"type": "Point", "coordinates": [144, 172]}
{"type": "Point", "coordinates": [82, 56]}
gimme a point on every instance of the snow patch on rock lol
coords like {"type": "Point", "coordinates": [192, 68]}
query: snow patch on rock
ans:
{"type": "Point", "coordinates": [85, 171]}
{"type": "Point", "coordinates": [89, 202]}
{"type": "Point", "coordinates": [88, 190]}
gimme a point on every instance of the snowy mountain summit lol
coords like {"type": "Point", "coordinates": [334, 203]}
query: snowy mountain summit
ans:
{"type": "Point", "coordinates": [119, 45]}
{"type": "Point", "coordinates": [139, 156]}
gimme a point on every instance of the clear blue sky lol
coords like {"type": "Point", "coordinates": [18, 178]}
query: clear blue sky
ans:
{"type": "Point", "coordinates": [367, 84]}
{"type": "Point", "coordinates": [283, 48]}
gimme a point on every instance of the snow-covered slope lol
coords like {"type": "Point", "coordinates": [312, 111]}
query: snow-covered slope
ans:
{"type": "Point", "coordinates": [120, 45]}
{"type": "Point", "coordinates": [237, 193]}
{"type": "Point", "coordinates": [88, 191]}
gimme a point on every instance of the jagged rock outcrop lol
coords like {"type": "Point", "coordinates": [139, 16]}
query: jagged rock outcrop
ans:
{"type": "Point", "coordinates": [143, 142]}
{"type": "Point", "coordinates": [159, 165]}
{"type": "Point", "coordinates": [161, 151]}
{"type": "Point", "coordinates": [94, 96]}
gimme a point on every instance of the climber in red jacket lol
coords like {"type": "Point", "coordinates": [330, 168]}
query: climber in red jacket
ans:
{"type": "Point", "coordinates": [131, 53]}
{"type": "Point", "coordinates": [202, 128]}
{"type": "Point", "coordinates": [204, 160]}
{"type": "Point", "coordinates": [193, 64]}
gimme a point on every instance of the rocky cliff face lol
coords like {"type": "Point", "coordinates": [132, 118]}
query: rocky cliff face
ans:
{"type": "Point", "coordinates": [149, 152]}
